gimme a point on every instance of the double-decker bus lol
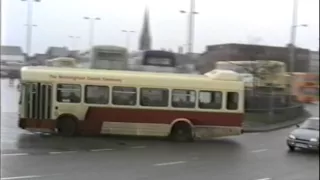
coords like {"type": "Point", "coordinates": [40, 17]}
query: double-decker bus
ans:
{"type": "Point", "coordinates": [259, 73]}
{"type": "Point", "coordinates": [104, 57]}
{"type": "Point", "coordinates": [153, 61]}
{"type": "Point", "coordinates": [62, 62]}
{"type": "Point", "coordinates": [83, 101]}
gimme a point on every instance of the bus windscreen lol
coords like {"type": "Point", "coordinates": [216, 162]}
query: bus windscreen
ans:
{"type": "Point", "coordinates": [159, 58]}
{"type": "Point", "coordinates": [110, 56]}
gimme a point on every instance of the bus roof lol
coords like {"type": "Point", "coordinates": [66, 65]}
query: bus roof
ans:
{"type": "Point", "coordinates": [62, 59]}
{"type": "Point", "coordinates": [216, 79]}
{"type": "Point", "coordinates": [109, 47]}
{"type": "Point", "coordinates": [104, 47]}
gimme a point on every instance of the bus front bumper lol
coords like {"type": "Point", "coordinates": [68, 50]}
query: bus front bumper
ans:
{"type": "Point", "coordinates": [37, 125]}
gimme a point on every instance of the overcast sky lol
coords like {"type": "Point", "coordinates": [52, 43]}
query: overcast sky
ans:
{"type": "Point", "coordinates": [218, 21]}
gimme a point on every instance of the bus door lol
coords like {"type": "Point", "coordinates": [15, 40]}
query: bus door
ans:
{"type": "Point", "coordinates": [38, 101]}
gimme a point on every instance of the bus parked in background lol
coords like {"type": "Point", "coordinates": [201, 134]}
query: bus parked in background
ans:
{"type": "Point", "coordinates": [153, 61]}
{"type": "Point", "coordinates": [259, 73]}
{"type": "Point", "coordinates": [104, 57]}
{"type": "Point", "coordinates": [306, 87]}
{"type": "Point", "coordinates": [62, 62]}
{"type": "Point", "coordinates": [84, 101]}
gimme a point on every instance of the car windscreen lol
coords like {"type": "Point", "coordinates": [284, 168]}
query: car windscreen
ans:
{"type": "Point", "coordinates": [312, 124]}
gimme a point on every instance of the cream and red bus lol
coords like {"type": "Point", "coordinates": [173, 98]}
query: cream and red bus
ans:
{"type": "Point", "coordinates": [73, 101]}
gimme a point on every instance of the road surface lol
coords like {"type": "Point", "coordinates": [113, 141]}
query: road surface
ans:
{"type": "Point", "coordinates": [255, 156]}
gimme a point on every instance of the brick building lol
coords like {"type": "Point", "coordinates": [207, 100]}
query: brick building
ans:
{"type": "Point", "coordinates": [245, 52]}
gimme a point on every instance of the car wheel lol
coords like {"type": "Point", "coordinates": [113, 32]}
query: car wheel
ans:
{"type": "Point", "coordinates": [291, 148]}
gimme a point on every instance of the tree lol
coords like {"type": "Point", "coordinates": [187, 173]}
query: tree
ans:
{"type": "Point", "coordinates": [262, 70]}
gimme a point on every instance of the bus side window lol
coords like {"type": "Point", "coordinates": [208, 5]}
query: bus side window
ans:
{"type": "Point", "coordinates": [69, 93]}
{"type": "Point", "coordinates": [154, 97]}
{"type": "Point", "coordinates": [124, 96]}
{"type": "Point", "coordinates": [183, 98]}
{"type": "Point", "coordinates": [210, 99]}
{"type": "Point", "coordinates": [232, 100]}
{"type": "Point", "coordinates": [96, 94]}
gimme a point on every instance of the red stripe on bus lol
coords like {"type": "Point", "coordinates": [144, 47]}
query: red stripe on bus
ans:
{"type": "Point", "coordinates": [38, 123]}
{"type": "Point", "coordinates": [100, 114]}
{"type": "Point", "coordinates": [95, 117]}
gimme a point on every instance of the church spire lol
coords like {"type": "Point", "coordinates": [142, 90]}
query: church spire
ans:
{"type": "Point", "coordinates": [145, 37]}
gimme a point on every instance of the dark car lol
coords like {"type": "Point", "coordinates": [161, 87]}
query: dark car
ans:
{"type": "Point", "coordinates": [305, 136]}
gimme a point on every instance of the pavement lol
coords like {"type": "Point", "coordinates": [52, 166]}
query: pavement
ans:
{"type": "Point", "coordinates": [251, 156]}
{"type": "Point", "coordinates": [262, 127]}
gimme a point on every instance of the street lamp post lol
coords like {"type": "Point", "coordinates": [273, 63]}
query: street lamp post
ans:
{"type": "Point", "coordinates": [128, 33]}
{"type": "Point", "coordinates": [91, 28]}
{"type": "Point", "coordinates": [191, 24]}
{"type": "Point", "coordinates": [293, 35]}
{"type": "Point", "coordinates": [29, 25]}
{"type": "Point", "coordinates": [73, 41]}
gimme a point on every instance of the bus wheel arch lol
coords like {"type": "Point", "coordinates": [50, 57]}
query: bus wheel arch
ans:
{"type": "Point", "coordinates": [181, 130]}
{"type": "Point", "coordinates": [67, 125]}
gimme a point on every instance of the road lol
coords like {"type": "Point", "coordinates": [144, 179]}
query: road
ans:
{"type": "Point", "coordinates": [253, 156]}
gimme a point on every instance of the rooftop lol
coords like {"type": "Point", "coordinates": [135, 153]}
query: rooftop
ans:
{"type": "Point", "coordinates": [11, 50]}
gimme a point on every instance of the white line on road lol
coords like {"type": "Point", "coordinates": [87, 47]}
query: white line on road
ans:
{"type": "Point", "coordinates": [170, 163]}
{"type": "Point", "coordinates": [62, 152]}
{"type": "Point", "coordinates": [27, 177]}
{"type": "Point", "coordinates": [98, 150]}
{"type": "Point", "coordinates": [264, 179]}
{"type": "Point", "coordinates": [259, 150]}
{"type": "Point", "coordinates": [138, 147]}
{"type": "Point", "coordinates": [21, 177]}
{"type": "Point", "coordinates": [15, 154]}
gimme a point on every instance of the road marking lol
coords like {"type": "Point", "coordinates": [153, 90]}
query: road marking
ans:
{"type": "Point", "coordinates": [98, 150]}
{"type": "Point", "coordinates": [62, 152]}
{"type": "Point", "coordinates": [21, 177]}
{"type": "Point", "coordinates": [264, 179]}
{"type": "Point", "coordinates": [170, 163]}
{"type": "Point", "coordinates": [8, 141]}
{"type": "Point", "coordinates": [138, 147]}
{"type": "Point", "coordinates": [259, 150]}
{"type": "Point", "coordinates": [27, 177]}
{"type": "Point", "coordinates": [15, 154]}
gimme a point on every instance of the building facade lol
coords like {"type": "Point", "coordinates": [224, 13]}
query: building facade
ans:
{"type": "Point", "coordinates": [245, 52]}
{"type": "Point", "coordinates": [12, 54]}
{"type": "Point", "coordinates": [314, 62]}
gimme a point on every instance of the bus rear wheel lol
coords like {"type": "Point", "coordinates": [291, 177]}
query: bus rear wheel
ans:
{"type": "Point", "coordinates": [181, 132]}
{"type": "Point", "coordinates": [67, 126]}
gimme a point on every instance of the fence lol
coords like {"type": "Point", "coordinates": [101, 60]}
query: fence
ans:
{"type": "Point", "coordinates": [268, 101]}
{"type": "Point", "coordinates": [272, 107]}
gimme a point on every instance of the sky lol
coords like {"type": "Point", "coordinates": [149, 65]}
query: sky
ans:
{"type": "Point", "coordinates": [219, 21]}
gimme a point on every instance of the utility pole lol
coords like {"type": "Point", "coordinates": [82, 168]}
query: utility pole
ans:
{"type": "Point", "coordinates": [91, 28]}
{"type": "Point", "coordinates": [191, 25]}
{"type": "Point", "coordinates": [128, 33]}
{"type": "Point", "coordinates": [29, 25]}
{"type": "Point", "coordinates": [291, 47]}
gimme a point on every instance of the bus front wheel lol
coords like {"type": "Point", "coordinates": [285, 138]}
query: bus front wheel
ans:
{"type": "Point", "coordinates": [181, 132]}
{"type": "Point", "coordinates": [67, 126]}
